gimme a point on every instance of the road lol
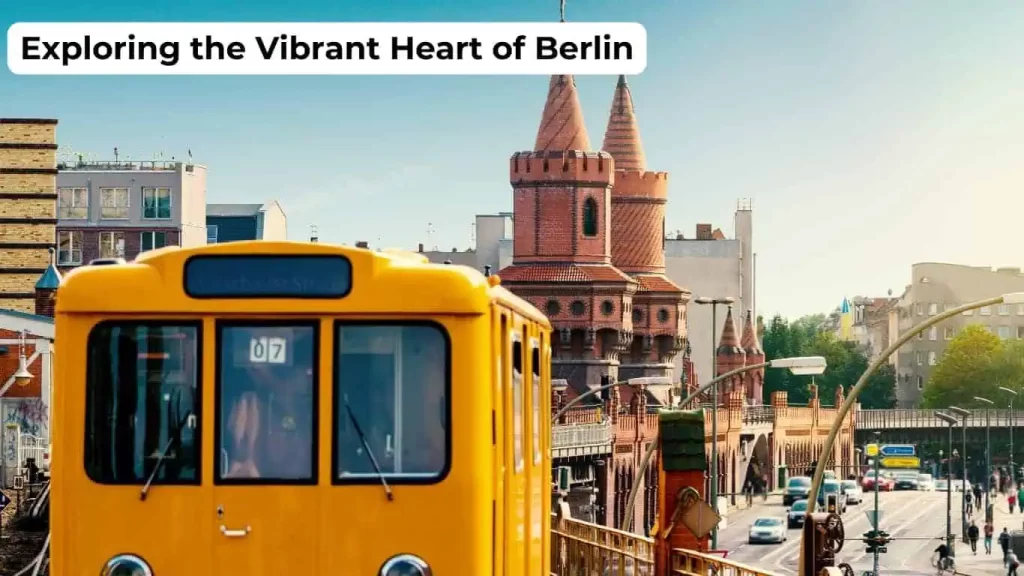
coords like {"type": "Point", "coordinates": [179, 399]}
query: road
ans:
{"type": "Point", "coordinates": [904, 514]}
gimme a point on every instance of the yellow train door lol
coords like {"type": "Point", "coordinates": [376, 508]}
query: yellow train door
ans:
{"type": "Point", "coordinates": [515, 468]}
{"type": "Point", "coordinates": [266, 443]}
{"type": "Point", "coordinates": [536, 474]}
{"type": "Point", "coordinates": [500, 354]}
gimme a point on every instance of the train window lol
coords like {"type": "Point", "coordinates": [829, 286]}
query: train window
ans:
{"type": "Point", "coordinates": [266, 403]}
{"type": "Point", "coordinates": [535, 365]}
{"type": "Point", "coordinates": [142, 399]}
{"type": "Point", "coordinates": [517, 402]}
{"type": "Point", "coordinates": [391, 390]}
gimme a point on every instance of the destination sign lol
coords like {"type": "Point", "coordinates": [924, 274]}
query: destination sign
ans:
{"type": "Point", "coordinates": [901, 462]}
{"type": "Point", "coordinates": [898, 450]}
{"type": "Point", "coordinates": [268, 276]}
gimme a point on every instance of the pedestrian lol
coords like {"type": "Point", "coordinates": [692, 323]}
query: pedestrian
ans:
{"type": "Point", "coordinates": [1012, 563]}
{"type": "Point", "coordinates": [1012, 501]}
{"type": "Point", "coordinates": [977, 495]}
{"type": "Point", "coordinates": [1020, 498]}
{"type": "Point", "coordinates": [967, 503]}
{"type": "Point", "coordinates": [748, 490]}
{"type": "Point", "coordinates": [989, 529]}
{"type": "Point", "coordinates": [1004, 543]}
{"type": "Point", "coordinates": [972, 535]}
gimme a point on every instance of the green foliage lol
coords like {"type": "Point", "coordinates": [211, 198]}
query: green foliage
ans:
{"type": "Point", "coordinates": [976, 363]}
{"type": "Point", "coordinates": [846, 363]}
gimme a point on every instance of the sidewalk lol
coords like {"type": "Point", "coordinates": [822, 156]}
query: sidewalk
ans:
{"type": "Point", "coordinates": [983, 564]}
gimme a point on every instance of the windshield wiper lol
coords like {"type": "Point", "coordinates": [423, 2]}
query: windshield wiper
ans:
{"type": "Point", "coordinates": [162, 455]}
{"type": "Point", "coordinates": [369, 452]}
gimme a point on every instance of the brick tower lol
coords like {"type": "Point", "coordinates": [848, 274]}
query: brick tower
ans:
{"type": "Point", "coordinates": [730, 357]}
{"type": "Point", "coordinates": [638, 245]}
{"type": "Point", "coordinates": [561, 259]}
{"type": "Point", "coordinates": [28, 207]}
{"type": "Point", "coordinates": [754, 380]}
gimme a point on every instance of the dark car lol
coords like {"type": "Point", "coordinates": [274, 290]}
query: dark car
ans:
{"type": "Point", "coordinates": [795, 515]}
{"type": "Point", "coordinates": [798, 488]}
{"type": "Point", "coordinates": [906, 480]}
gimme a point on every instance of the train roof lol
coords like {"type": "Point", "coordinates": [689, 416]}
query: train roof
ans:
{"type": "Point", "coordinates": [393, 282]}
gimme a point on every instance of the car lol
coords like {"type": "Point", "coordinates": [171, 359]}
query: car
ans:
{"type": "Point", "coordinates": [796, 514]}
{"type": "Point", "coordinates": [832, 489]}
{"type": "Point", "coordinates": [885, 482]}
{"type": "Point", "coordinates": [854, 495]}
{"type": "Point", "coordinates": [767, 530]}
{"type": "Point", "coordinates": [941, 485]}
{"type": "Point", "coordinates": [798, 488]}
{"type": "Point", "coordinates": [906, 480]}
{"type": "Point", "coordinates": [925, 483]}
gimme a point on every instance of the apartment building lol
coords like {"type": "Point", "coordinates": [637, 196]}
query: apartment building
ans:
{"type": "Point", "coordinates": [936, 287]}
{"type": "Point", "coordinates": [235, 222]}
{"type": "Point", "coordinates": [119, 209]}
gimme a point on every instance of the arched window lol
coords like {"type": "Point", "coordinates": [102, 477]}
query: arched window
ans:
{"type": "Point", "coordinates": [590, 217]}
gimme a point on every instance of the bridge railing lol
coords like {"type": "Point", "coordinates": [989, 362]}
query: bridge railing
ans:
{"type": "Point", "coordinates": [580, 548]}
{"type": "Point", "coordinates": [915, 418]}
{"type": "Point", "coordinates": [758, 414]}
{"type": "Point", "coordinates": [595, 434]}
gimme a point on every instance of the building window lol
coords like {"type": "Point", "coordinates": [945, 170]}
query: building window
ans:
{"type": "Point", "coordinates": [920, 335]}
{"type": "Point", "coordinates": [69, 248]}
{"type": "Point", "coordinates": [590, 217]}
{"type": "Point", "coordinates": [607, 307]}
{"type": "Point", "coordinates": [948, 333]}
{"type": "Point", "coordinates": [919, 358]}
{"type": "Point", "coordinates": [920, 382]}
{"type": "Point", "coordinates": [931, 358]}
{"type": "Point", "coordinates": [153, 240]}
{"type": "Point", "coordinates": [156, 203]}
{"type": "Point", "coordinates": [1004, 332]}
{"type": "Point", "coordinates": [985, 311]}
{"type": "Point", "coordinates": [1004, 309]}
{"type": "Point", "coordinates": [577, 308]}
{"type": "Point", "coordinates": [919, 309]}
{"type": "Point", "coordinates": [1020, 309]}
{"type": "Point", "coordinates": [1020, 332]}
{"type": "Point", "coordinates": [933, 309]}
{"type": "Point", "coordinates": [553, 308]}
{"type": "Point", "coordinates": [114, 203]}
{"type": "Point", "coordinates": [933, 333]}
{"type": "Point", "coordinates": [211, 233]}
{"type": "Point", "coordinates": [638, 315]}
{"type": "Point", "coordinates": [111, 244]}
{"type": "Point", "coordinates": [663, 315]}
{"type": "Point", "coordinates": [73, 203]}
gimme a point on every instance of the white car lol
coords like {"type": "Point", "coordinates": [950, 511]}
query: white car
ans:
{"type": "Point", "coordinates": [854, 495]}
{"type": "Point", "coordinates": [925, 483]}
{"type": "Point", "coordinates": [941, 485]}
{"type": "Point", "coordinates": [767, 530]}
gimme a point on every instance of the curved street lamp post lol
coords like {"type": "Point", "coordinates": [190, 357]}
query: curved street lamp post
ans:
{"type": "Point", "coordinates": [988, 450]}
{"type": "Point", "coordinates": [963, 414]}
{"type": "Point", "coordinates": [949, 480]}
{"type": "Point", "coordinates": [1013, 420]}
{"type": "Point", "coordinates": [851, 398]}
{"type": "Point", "coordinates": [801, 366]}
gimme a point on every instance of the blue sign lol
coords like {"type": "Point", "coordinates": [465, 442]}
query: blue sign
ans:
{"type": "Point", "coordinates": [898, 450]}
{"type": "Point", "coordinates": [4, 500]}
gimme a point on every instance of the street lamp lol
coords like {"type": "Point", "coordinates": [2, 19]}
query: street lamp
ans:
{"type": "Point", "coordinates": [1013, 395]}
{"type": "Point", "coordinates": [593, 391]}
{"type": "Point", "coordinates": [988, 450]}
{"type": "Point", "coordinates": [963, 414]}
{"type": "Point", "coordinates": [949, 480]}
{"type": "Point", "coordinates": [799, 365]}
{"type": "Point", "coordinates": [851, 398]}
{"type": "Point", "coordinates": [714, 302]}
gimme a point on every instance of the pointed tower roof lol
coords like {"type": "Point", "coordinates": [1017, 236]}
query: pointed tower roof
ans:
{"type": "Point", "coordinates": [729, 344]}
{"type": "Point", "coordinates": [749, 341]}
{"type": "Point", "coordinates": [561, 125]}
{"type": "Point", "coordinates": [622, 138]}
{"type": "Point", "coordinates": [50, 279]}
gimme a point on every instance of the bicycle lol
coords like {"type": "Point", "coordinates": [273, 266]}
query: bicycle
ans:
{"type": "Point", "coordinates": [947, 564]}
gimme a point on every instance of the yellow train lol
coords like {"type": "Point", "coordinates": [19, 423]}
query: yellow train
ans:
{"type": "Point", "coordinates": [277, 408]}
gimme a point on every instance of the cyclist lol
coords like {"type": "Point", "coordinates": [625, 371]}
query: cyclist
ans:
{"type": "Point", "coordinates": [944, 561]}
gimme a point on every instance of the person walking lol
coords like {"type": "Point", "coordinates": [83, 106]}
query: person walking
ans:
{"type": "Point", "coordinates": [1020, 498]}
{"type": "Point", "coordinates": [977, 495]}
{"type": "Point", "coordinates": [989, 529]}
{"type": "Point", "coordinates": [1011, 564]}
{"type": "Point", "coordinates": [972, 535]}
{"type": "Point", "coordinates": [1012, 501]}
{"type": "Point", "coordinates": [967, 501]}
{"type": "Point", "coordinates": [1004, 543]}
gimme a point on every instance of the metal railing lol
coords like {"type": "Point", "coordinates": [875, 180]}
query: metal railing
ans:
{"type": "Point", "coordinates": [575, 435]}
{"type": "Point", "coordinates": [758, 414]}
{"type": "Point", "coordinates": [583, 549]}
{"type": "Point", "coordinates": [119, 165]}
{"type": "Point", "coordinates": [915, 418]}
{"type": "Point", "coordinates": [690, 563]}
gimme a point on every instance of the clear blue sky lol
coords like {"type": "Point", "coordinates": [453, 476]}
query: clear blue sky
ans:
{"type": "Point", "coordinates": [869, 134]}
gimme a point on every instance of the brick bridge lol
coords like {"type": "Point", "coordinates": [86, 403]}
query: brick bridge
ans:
{"type": "Point", "coordinates": [921, 427]}
{"type": "Point", "coordinates": [604, 445]}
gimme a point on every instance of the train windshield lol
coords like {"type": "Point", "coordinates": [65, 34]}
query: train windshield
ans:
{"type": "Point", "coordinates": [142, 394]}
{"type": "Point", "coordinates": [395, 379]}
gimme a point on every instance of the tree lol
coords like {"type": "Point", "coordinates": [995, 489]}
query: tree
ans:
{"type": "Point", "coordinates": [967, 369]}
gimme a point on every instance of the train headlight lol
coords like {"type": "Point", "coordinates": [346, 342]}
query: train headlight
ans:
{"type": "Point", "coordinates": [405, 565]}
{"type": "Point", "coordinates": [126, 565]}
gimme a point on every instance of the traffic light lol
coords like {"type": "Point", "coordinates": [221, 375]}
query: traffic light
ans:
{"type": "Point", "coordinates": [876, 541]}
{"type": "Point", "coordinates": [883, 541]}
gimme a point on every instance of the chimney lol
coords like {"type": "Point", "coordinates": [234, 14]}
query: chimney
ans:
{"type": "Point", "coordinates": [363, 244]}
{"type": "Point", "coordinates": [703, 231]}
{"type": "Point", "coordinates": [421, 247]}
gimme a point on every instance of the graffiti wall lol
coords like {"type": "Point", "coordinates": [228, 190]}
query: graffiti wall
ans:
{"type": "Point", "coordinates": [27, 419]}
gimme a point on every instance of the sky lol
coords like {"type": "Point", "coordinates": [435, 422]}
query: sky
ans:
{"type": "Point", "coordinates": [869, 135]}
